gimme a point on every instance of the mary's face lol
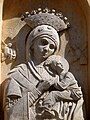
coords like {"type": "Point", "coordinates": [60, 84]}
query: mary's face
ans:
{"type": "Point", "coordinates": [43, 48]}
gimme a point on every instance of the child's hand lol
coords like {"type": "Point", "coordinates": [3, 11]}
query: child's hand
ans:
{"type": "Point", "coordinates": [43, 86]}
{"type": "Point", "coordinates": [54, 80]}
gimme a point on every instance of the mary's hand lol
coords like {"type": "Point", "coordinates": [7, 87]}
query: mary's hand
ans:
{"type": "Point", "coordinates": [43, 86]}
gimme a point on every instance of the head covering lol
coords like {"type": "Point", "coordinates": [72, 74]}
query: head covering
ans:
{"type": "Point", "coordinates": [42, 31]}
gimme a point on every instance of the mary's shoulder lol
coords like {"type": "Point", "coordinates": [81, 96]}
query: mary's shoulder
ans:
{"type": "Point", "coordinates": [20, 67]}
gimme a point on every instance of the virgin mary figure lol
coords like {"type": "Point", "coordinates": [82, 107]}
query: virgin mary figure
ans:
{"type": "Point", "coordinates": [29, 83]}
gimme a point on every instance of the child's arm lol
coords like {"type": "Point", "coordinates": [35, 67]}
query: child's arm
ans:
{"type": "Point", "coordinates": [65, 82]}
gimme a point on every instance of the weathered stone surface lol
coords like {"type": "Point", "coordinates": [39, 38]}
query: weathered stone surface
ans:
{"type": "Point", "coordinates": [44, 80]}
{"type": "Point", "coordinates": [73, 44]}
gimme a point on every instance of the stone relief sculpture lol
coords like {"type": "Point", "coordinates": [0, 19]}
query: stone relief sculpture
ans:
{"type": "Point", "coordinates": [8, 52]}
{"type": "Point", "coordinates": [42, 88]}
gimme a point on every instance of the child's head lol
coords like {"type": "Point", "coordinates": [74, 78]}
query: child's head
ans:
{"type": "Point", "coordinates": [57, 64]}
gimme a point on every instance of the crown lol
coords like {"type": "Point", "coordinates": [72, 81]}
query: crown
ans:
{"type": "Point", "coordinates": [46, 17]}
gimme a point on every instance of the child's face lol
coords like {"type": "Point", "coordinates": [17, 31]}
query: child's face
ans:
{"type": "Point", "coordinates": [58, 67]}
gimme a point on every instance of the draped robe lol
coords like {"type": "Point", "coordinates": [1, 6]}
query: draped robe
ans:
{"type": "Point", "coordinates": [21, 95]}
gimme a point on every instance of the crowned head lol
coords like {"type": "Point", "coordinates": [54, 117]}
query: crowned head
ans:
{"type": "Point", "coordinates": [45, 24]}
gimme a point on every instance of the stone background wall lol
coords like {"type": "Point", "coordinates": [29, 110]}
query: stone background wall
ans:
{"type": "Point", "coordinates": [75, 43]}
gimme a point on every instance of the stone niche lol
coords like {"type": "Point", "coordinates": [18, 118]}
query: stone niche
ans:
{"type": "Point", "coordinates": [74, 41]}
